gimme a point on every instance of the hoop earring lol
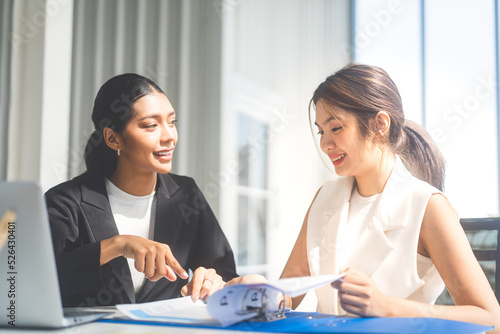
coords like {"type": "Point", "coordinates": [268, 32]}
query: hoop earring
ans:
{"type": "Point", "coordinates": [118, 152]}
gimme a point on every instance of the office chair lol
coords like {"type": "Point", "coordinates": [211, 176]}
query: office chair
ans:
{"type": "Point", "coordinates": [484, 238]}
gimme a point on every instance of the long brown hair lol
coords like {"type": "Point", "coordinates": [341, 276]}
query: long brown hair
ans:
{"type": "Point", "coordinates": [364, 91]}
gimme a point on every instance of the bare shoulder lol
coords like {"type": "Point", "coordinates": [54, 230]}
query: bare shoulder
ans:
{"type": "Point", "coordinates": [440, 225]}
{"type": "Point", "coordinates": [438, 203]}
{"type": "Point", "coordinates": [439, 213]}
{"type": "Point", "coordinates": [444, 240]}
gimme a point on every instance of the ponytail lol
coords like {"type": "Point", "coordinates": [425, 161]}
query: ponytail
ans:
{"type": "Point", "coordinates": [420, 155]}
{"type": "Point", "coordinates": [364, 91]}
{"type": "Point", "coordinates": [98, 155]}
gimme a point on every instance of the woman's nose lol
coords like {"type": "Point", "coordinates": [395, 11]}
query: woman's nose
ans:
{"type": "Point", "coordinates": [327, 143]}
{"type": "Point", "coordinates": [168, 133]}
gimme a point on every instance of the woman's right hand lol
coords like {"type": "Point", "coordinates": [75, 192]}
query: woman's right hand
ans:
{"type": "Point", "coordinates": [152, 258]}
{"type": "Point", "coordinates": [359, 295]}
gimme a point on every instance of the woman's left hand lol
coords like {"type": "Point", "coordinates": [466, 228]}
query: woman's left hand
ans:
{"type": "Point", "coordinates": [359, 295]}
{"type": "Point", "coordinates": [247, 279]}
{"type": "Point", "coordinates": [204, 283]}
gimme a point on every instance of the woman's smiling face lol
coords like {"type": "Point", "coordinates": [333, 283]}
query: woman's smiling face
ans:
{"type": "Point", "coordinates": [149, 138]}
{"type": "Point", "coordinates": [341, 140]}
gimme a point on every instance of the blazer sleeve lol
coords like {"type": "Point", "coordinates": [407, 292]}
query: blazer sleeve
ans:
{"type": "Point", "coordinates": [77, 254]}
{"type": "Point", "coordinates": [212, 247]}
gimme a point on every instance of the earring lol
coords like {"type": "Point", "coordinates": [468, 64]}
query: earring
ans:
{"type": "Point", "coordinates": [118, 151]}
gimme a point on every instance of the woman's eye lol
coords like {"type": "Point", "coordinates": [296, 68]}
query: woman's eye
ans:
{"type": "Point", "coordinates": [151, 126]}
{"type": "Point", "coordinates": [321, 132]}
{"type": "Point", "coordinates": [172, 122]}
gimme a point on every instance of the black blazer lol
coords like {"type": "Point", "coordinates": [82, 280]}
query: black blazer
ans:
{"type": "Point", "coordinates": [80, 217]}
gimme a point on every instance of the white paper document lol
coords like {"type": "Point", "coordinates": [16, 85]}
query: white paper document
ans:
{"type": "Point", "coordinates": [227, 306]}
{"type": "Point", "coordinates": [179, 310]}
{"type": "Point", "coordinates": [296, 286]}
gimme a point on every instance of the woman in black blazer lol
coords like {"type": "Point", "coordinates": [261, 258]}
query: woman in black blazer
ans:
{"type": "Point", "coordinates": [131, 151]}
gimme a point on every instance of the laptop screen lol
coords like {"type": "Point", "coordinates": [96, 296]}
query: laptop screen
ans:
{"type": "Point", "coordinates": [28, 278]}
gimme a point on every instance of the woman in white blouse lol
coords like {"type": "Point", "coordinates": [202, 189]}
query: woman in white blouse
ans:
{"type": "Point", "coordinates": [384, 221]}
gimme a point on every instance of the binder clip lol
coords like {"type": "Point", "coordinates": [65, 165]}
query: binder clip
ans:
{"type": "Point", "coordinates": [267, 303]}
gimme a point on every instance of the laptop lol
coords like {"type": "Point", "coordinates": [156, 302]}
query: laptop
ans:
{"type": "Point", "coordinates": [29, 287]}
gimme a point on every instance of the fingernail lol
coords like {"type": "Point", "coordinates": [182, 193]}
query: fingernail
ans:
{"type": "Point", "coordinates": [185, 275]}
{"type": "Point", "coordinates": [195, 297]}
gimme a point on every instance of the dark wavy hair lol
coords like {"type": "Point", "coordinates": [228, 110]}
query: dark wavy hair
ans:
{"type": "Point", "coordinates": [363, 91]}
{"type": "Point", "coordinates": [114, 108]}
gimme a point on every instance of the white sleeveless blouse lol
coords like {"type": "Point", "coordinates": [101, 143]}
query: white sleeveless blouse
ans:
{"type": "Point", "coordinates": [385, 244]}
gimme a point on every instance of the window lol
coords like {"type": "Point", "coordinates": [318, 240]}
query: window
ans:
{"type": "Point", "coordinates": [251, 126]}
{"type": "Point", "coordinates": [253, 193]}
{"type": "Point", "coordinates": [442, 56]}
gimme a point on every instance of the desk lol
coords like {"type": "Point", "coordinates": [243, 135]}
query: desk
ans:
{"type": "Point", "coordinates": [295, 322]}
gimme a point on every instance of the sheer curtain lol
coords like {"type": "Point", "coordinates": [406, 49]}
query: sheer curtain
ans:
{"type": "Point", "coordinates": [5, 49]}
{"type": "Point", "coordinates": [114, 37]}
{"type": "Point", "coordinates": [175, 43]}
{"type": "Point", "coordinates": [39, 90]}
{"type": "Point", "coordinates": [68, 49]}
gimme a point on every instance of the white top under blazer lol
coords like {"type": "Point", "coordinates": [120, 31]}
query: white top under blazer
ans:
{"type": "Point", "coordinates": [386, 246]}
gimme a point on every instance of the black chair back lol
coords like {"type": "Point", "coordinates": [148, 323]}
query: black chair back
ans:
{"type": "Point", "coordinates": [484, 237]}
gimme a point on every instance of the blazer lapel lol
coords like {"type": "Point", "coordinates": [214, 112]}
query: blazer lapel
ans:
{"type": "Point", "coordinates": [95, 204]}
{"type": "Point", "coordinates": [170, 211]}
{"type": "Point", "coordinates": [331, 221]}
{"type": "Point", "coordinates": [374, 245]}
{"type": "Point", "coordinates": [372, 248]}
{"type": "Point", "coordinates": [168, 220]}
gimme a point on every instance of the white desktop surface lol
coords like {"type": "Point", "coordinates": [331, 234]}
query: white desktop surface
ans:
{"type": "Point", "coordinates": [116, 328]}
{"type": "Point", "coordinates": [417, 325]}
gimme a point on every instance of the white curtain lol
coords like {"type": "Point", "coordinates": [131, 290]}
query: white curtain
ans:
{"type": "Point", "coordinates": [39, 84]}
{"type": "Point", "coordinates": [114, 37]}
{"type": "Point", "coordinates": [5, 49]}
{"type": "Point", "coordinates": [70, 48]}
{"type": "Point", "coordinates": [176, 44]}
